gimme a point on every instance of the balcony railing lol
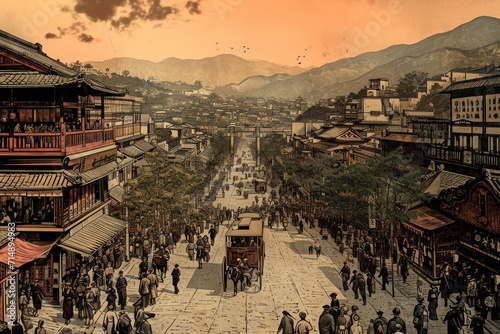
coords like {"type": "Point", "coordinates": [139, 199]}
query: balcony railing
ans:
{"type": "Point", "coordinates": [53, 141]}
{"type": "Point", "coordinates": [463, 156]}
{"type": "Point", "coordinates": [127, 130]}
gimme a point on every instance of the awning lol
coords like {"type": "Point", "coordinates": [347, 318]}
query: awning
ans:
{"type": "Point", "coordinates": [117, 193]}
{"type": "Point", "coordinates": [427, 220]}
{"type": "Point", "coordinates": [33, 184]}
{"type": "Point", "coordinates": [144, 146]}
{"type": "Point", "coordinates": [89, 236]}
{"type": "Point", "coordinates": [93, 174]}
{"type": "Point", "coordinates": [25, 252]}
{"type": "Point", "coordinates": [131, 151]}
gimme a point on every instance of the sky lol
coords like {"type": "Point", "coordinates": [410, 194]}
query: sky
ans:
{"type": "Point", "coordinates": [306, 33]}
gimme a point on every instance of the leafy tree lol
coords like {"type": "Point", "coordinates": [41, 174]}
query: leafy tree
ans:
{"type": "Point", "coordinates": [408, 84]}
{"type": "Point", "coordinates": [388, 183]}
{"type": "Point", "coordinates": [164, 187]}
{"type": "Point", "coordinates": [125, 73]}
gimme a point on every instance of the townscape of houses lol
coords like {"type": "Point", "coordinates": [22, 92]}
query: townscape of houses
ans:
{"type": "Point", "coordinates": [69, 145]}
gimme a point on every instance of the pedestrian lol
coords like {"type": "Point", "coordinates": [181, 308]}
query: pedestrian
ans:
{"type": "Point", "coordinates": [356, 327]}
{"type": "Point", "coordinates": [110, 320]}
{"type": "Point", "coordinates": [143, 267]}
{"type": "Point", "coordinates": [37, 297]}
{"type": "Point", "coordinates": [212, 232]}
{"type": "Point", "coordinates": [141, 317]}
{"type": "Point", "coordinates": [341, 248]}
{"type": "Point", "coordinates": [144, 290]}
{"type": "Point", "coordinates": [153, 287]}
{"type": "Point", "coordinates": [432, 298]}
{"type": "Point", "coordinates": [403, 265]}
{"type": "Point", "coordinates": [68, 302]}
{"type": "Point", "coordinates": [176, 274]}
{"type": "Point", "coordinates": [344, 321]}
{"type": "Point", "coordinates": [121, 288]}
{"type": "Point", "coordinates": [108, 274]}
{"type": "Point", "coordinates": [421, 317]}
{"type": "Point", "coordinates": [452, 321]}
{"type": "Point", "coordinates": [124, 325]}
{"type": "Point", "coordinates": [380, 323]}
{"type": "Point", "coordinates": [355, 284]}
{"type": "Point", "coordinates": [477, 323]}
{"type": "Point", "coordinates": [396, 320]}
{"type": "Point", "coordinates": [334, 306]}
{"type": "Point", "coordinates": [384, 273]}
{"type": "Point", "coordinates": [111, 297]}
{"type": "Point", "coordinates": [345, 272]}
{"type": "Point", "coordinates": [190, 248]}
{"type": "Point", "coordinates": [370, 284]}
{"type": "Point", "coordinates": [317, 248]}
{"type": "Point", "coordinates": [326, 322]}
{"type": "Point", "coordinates": [371, 329]}
{"type": "Point", "coordinates": [96, 293]}
{"type": "Point", "coordinates": [88, 310]}
{"type": "Point", "coordinates": [286, 324]}
{"type": "Point", "coordinates": [471, 291]}
{"type": "Point", "coordinates": [362, 287]}
{"type": "Point", "coordinates": [40, 329]}
{"type": "Point", "coordinates": [303, 326]}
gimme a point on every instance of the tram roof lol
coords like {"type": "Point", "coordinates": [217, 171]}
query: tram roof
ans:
{"type": "Point", "coordinates": [246, 227]}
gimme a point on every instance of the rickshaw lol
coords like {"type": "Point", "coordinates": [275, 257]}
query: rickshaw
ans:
{"type": "Point", "coordinates": [245, 240]}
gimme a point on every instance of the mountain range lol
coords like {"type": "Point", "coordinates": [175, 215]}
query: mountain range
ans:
{"type": "Point", "coordinates": [472, 44]}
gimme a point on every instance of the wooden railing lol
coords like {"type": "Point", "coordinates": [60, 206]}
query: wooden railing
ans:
{"type": "Point", "coordinates": [52, 141]}
{"type": "Point", "coordinates": [127, 130]}
{"type": "Point", "coordinates": [456, 154]}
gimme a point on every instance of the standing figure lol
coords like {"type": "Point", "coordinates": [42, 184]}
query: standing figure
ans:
{"type": "Point", "coordinates": [286, 324]}
{"type": "Point", "coordinates": [403, 265]}
{"type": "Point", "coordinates": [345, 272]}
{"type": "Point", "coordinates": [326, 323]}
{"type": "Point", "coordinates": [420, 313]}
{"type": "Point", "coordinates": [68, 302]}
{"type": "Point", "coordinates": [452, 321]}
{"type": "Point", "coordinates": [432, 298]}
{"type": "Point", "coordinates": [88, 309]}
{"type": "Point", "coordinates": [370, 284]}
{"type": "Point", "coordinates": [303, 326]}
{"type": "Point", "coordinates": [384, 273]}
{"type": "Point", "coordinates": [362, 287]}
{"type": "Point", "coordinates": [380, 323]}
{"type": "Point", "coordinates": [190, 248]}
{"type": "Point", "coordinates": [471, 292]}
{"type": "Point", "coordinates": [477, 323]}
{"type": "Point", "coordinates": [396, 320]}
{"type": "Point", "coordinates": [317, 247]}
{"type": "Point", "coordinates": [153, 287]}
{"type": "Point", "coordinates": [176, 274]}
{"type": "Point", "coordinates": [121, 288]}
{"type": "Point", "coordinates": [108, 274]}
{"type": "Point", "coordinates": [39, 329]}
{"type": "Point", "coordinates": [37, 296]}
{"type": "Point", "coordinates": [212, 232]}
{"type": "Point", "coordinates": [355, 284]}
{"type": "Point", "coordinates": [144, 291]}
{"type": "Point", "coordinates": [96, 292]}
{"type": "Point", "coordinates": [110, 320]}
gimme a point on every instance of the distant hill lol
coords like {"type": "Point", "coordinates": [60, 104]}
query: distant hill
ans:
{"type": "Point", "coordinates": [213, 71]}
{"type": "Point", "coordinates": [473, 44]}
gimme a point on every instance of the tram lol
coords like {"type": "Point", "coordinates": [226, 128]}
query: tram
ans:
{"type": "Point", "coordinates": [245, 239]}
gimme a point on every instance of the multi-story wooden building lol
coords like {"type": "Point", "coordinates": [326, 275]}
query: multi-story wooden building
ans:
{"type": "Point", "coordinates": [55, 157]}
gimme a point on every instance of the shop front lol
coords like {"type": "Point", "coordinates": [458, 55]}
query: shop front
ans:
{"type": "Point", "coordinates": [428, 240]}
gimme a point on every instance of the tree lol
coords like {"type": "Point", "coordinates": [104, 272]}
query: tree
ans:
{"type": "Point", "coordinates": [125, 73]}
{"type": "Point", "coordinates": [408, 84]}
{"type": "Point", "coordinates": [387, 183]}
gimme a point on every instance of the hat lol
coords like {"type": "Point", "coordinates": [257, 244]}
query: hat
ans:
{"type": "Point", "coordinates": [302, 315]}
{"type": "Point", "coordinates": [420, 299]}
{"type": "Point", "coordinates": [333, 294]}
{"type": "Point", "coordinates": [380, 312]}
{"type": "Point", "coordinates": [398, 326]}
{"type": "Point", "coordinates": [354, 308]}
{"type": "Point", "coordinates": [238, 260]}
{"type": "Point", "coordinates": [176, 265]}
{"type": "Point", "coordinates": [120, 272]}
{"type": "Point", "coordinates": [326, 307]}
{"type": "Point", "coordinates": [285, 313]}
{"type": "Point", "coordinates": [396, 310]}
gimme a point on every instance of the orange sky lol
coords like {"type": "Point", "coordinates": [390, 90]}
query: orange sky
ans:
{"type": "Point", "coordinates": [289, 32]}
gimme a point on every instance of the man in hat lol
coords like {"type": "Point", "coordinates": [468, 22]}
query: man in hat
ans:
{"type": "Point", "coordinates": [68, 302]}
{"type": "Point", "coordinates": [380, 323]}
{"type": "Point", "coordinates": [471, 291]}
{"type": "Point", "coordinates": [176, 274]}
{"type": "Point", "coordinates": [391, 325]}
{"type": "Point", "coordinates": [384, 273]}
{"type": "Point", "coordinates": [355, 283]}
{"type": "Point", "coordinates": [143, 267]}
{"type": "Point", "coordinates": [420, 317]}
{"type": "Point", "coordinates": [153, 286]}
{"type": "Point", "coordinates": [286, 324]}
{"type": "Point", "coordinates": [452, 321]}
{"type": "Point", "coordinates": [303, 326]}
{"type": "Point", "coordinates": [362, 287]}
{"type": "Point", "coordinates": [334, 306]}
{"type": "Point", "coordinates": [121, 288]}
{"type": "Point", "coordinates": [326, 323]}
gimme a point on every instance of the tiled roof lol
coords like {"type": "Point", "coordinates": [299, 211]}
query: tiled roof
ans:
{"type": "Point", "coordinates": [474, 83]}
{"type": "Point", "coordinates": [32, 79]}
{"type": "Point", "coordinates": [144, 146]}
{"type": "Point", "coordinates": [33, 181]}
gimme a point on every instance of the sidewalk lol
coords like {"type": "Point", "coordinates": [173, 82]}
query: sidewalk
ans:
{"type": "Point", "coordinates": [404, 293]}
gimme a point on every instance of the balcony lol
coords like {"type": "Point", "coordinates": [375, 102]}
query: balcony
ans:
{"type": "Point", "coordinates": [462, 155]}
{"type": "Point", "coordinates": [126, 130]}
{"type": "Point", "coordinates": [54, 143]}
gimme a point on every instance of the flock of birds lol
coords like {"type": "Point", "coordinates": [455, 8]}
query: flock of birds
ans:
{"type": "Point", "coordinates": [244, 48]}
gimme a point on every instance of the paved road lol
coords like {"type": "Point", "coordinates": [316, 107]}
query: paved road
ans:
{"type": "Point", "coordinates": [293, 280]}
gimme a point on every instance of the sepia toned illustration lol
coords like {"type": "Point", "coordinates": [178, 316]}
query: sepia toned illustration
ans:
{"type": "Point", "coordinates": [249, 166]}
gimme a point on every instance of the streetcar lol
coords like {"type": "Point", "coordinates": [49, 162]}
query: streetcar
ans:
{"type": "Point", "coordinates": [245, 240]}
